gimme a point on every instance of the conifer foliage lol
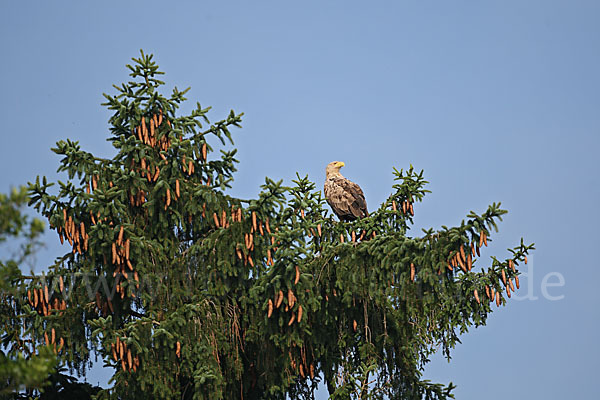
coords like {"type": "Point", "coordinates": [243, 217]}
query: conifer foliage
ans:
{"type": "Point", "coordinates": [188, 292]}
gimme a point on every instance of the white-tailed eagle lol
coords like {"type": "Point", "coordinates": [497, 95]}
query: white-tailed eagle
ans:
{"type": "Point", "coordinates": [346, 198]}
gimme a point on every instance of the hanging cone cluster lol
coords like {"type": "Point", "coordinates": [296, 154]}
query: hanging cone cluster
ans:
{"type": "Point", "coordinates": [50, 340]}
{"type": "Point", "coordinates": [245, 251]}
{"type": "Point", "coordinates": [299, 364]}
{"type": "Point", "coordinates": [464, 258]}
{"type": "Point", "coordinates": [291, 301]}
{"type": "Point", "coordinates": [44, 303]}
{"type": "Point", "coordinates": [138, 199]}
{"type": "Point", "coordinates": [120, 252]}
{"type": "Point", "coordinates": [103, 306]}
{"type": "Point", "coordinates": [406, 206]}
{"type": "Point", "coordinates": [120, 352]}
{"type": "Point", "coordinates": [148, 133]}
{"type": "Point", "coordinates": [74, 232]}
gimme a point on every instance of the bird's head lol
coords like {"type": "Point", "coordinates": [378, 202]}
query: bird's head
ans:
{"type": "Point", "coordinates": [333, 168]}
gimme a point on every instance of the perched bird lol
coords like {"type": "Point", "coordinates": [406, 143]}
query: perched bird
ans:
{"type": "Point", "coordinates": [346, 198]}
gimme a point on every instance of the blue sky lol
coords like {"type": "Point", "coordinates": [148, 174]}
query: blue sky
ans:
{"type": "Point", "coordinates": [495, 100]}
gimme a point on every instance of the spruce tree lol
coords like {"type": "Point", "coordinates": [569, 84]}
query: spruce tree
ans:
{"type": "Point", "coordinates": [185, 291]}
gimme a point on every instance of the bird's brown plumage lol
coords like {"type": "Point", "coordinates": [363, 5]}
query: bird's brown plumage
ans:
{"type": "Point", "coordinates": [346, 198]}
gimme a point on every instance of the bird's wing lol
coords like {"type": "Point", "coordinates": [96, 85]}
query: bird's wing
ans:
{"type": "Point", "coordinates": [346, 198]}
{"type": "Point", "coordinates": [359, 205]}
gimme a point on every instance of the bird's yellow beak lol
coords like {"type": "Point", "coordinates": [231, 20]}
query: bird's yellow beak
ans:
{"type": "Point", "coordinates": [340, 164]}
